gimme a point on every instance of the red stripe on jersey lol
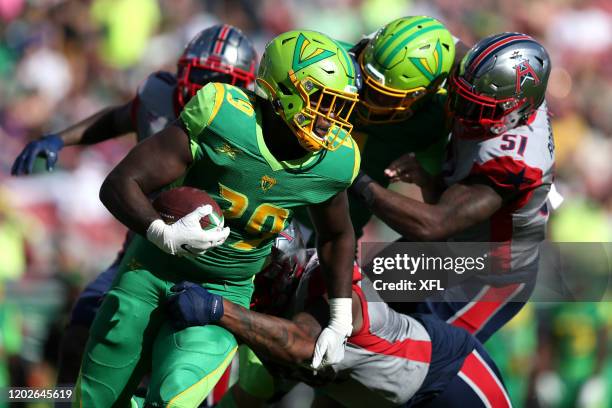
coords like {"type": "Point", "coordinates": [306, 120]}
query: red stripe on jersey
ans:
{"type": "Point", "coordinates": [222, 385]}
{"type": "Point", "coordinates": [495, 45]}
{"type": "Point", "coordinates": [410, 349]}
{"type": "Point", "coordinates": [484, 382]}
{"type": "Point", "coordinates": [477, 313]}
{"type": "Point", "coordinates": [221, 39]}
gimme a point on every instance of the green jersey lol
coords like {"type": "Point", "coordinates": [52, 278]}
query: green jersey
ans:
{"type": "Point", "coordinates": [425, 134]}
{"type": "Point", "coordinates": [257, 193]}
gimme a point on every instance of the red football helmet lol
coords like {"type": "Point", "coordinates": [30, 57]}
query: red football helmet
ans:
{"type": "Point", "coordinates": [221, 53]}
{"type": "Point", "coordinates": [275, 285]}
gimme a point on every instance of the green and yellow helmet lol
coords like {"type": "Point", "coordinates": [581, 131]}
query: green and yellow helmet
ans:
{"type": "Point", "coordinates": [407, 59]}
{"type": "Point", "coordinates": [306, 74]}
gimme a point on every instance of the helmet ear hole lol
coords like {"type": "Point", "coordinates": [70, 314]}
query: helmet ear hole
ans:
{"type": "Point", "coordinates": [284, 89]}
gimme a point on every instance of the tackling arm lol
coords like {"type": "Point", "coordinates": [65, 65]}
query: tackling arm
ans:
{"type": "Point", "coordinates": [460, 206]}
{"type": "Point", "coordinates": [290, 342]}
{"type": "Point", "coordinates": [106, 124]}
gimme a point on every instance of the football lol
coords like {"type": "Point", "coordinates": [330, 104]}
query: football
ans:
{"type": "Point", "coordinates": [175, 203]}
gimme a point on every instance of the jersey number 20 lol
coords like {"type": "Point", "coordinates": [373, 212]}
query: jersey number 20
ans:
{"type": "Point", "coordinates": [266, 221]}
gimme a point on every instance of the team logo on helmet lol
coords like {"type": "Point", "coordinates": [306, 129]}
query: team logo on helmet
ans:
{"type": "Point", "coordinates": [300, 61]}
{"type": "Point", "coordinates": [423, 65]}
{"type": "Point", "coordinates": [525, 72]}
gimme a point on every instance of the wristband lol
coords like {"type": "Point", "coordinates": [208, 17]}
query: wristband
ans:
{"type": "Point", "coordinates": [155, 232]}
{"type": "Point", "coordinates": [341, 315]}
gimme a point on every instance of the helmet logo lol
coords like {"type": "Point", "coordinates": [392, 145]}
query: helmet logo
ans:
{"type": "Point", "coordinates": [300, 60]}
{"type": "Point", "coordinates": [423, 65]}
{"type": "Point", "coordinates": [524, 71]}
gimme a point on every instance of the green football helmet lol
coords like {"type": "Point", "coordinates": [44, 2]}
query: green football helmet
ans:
{"type": "Point", "coordinates": [307, 75]}
{"type": "Point", "coordinates": [408, 59]}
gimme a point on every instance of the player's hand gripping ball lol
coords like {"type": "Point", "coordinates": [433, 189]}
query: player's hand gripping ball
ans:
{"type": "Point", "coordinates": [178, 202]}
{"type": "Point", "coordinates": [191, 222]}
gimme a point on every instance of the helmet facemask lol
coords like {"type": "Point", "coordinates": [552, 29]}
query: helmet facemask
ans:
{"type": "Point", "coordinates": [476, 112]}
{"type": "Point", "coordinates": [194, 73]}
{"type": "Point", "coordinates": [320, 105]}
{"type": "Point", "coordinates": [382, 104]}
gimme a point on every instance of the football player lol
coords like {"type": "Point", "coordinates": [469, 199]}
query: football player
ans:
{"type": "Point", "coordinates": [260, 156]}
{"type": "Point", "coordinates": [221, 53]}
{"type": "Point", "coordinates": [494, 184]}
{"type": "Point", "coordinates": [401, 104]}
{"type": "Point", "coordinates": [391, 359]}
{"type": "Point", "coordinates": [401, 109]}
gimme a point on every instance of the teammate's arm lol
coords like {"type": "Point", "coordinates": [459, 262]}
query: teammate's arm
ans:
{"type": "Point", "coordinates": [460, 206]}
{"type": "Point", "coordinates": [105, 124]}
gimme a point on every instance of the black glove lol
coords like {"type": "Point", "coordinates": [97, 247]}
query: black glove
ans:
{"type": "Point", "coordinates": [360, 188]}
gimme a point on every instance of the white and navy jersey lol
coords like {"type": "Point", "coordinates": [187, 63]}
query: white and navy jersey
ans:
{"type": "Point", "coordinates": [154, 107]}
{"type": "Point", "coordinates": [519, 165]}
{"type": "Point", "coordinates": [394, 358]}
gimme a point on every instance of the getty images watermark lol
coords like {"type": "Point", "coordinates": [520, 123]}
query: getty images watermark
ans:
{"type": "Point", "coordinates": [455, 271]}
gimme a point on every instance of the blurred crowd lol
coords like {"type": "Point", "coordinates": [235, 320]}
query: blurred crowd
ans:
{"type": "Point", "coordinates": [61, 61]}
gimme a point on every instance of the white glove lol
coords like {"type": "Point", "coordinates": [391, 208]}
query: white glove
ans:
{"type": "Point", "coordinates": [186, 236]}
{"type": "Point", "coordinates": [330, 344]}
{"type": "Point", "coordinates": [592, 393]}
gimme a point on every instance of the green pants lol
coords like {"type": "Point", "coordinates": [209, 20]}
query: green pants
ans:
{"type": "Point", "coordinates": [131, 336]}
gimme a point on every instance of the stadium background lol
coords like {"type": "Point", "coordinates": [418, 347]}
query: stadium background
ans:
{"type": "Point", "coordinates": [63, 60]}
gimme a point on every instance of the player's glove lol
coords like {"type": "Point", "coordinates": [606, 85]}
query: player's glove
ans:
{"type": "Point", "coordinates": [193, 305]}
{"type": "Point", "coordinates": [329, 348]}
{"type": "Point", "coordinates": [186, 236]}
{"type": "Point", "coordinates": [48, 147]}
{"type": "Point", "coordinates": [360, 188]}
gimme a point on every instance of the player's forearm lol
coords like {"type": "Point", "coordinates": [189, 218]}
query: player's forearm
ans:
{"type": "Point", "coordinates": [150, 165]}
{"type": "Point", "coordinates": [432, 190]}
{"type": "Point", "coordinates": [124, 198]}
{"type": "Point", "coordinates": [411, 218]}
{"type": "Point", "coordinates": [336, 255]}
{"type": "Point", "coordinates": [280, 339]}
{"type": "Point", "coordinates": [106, 124]}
